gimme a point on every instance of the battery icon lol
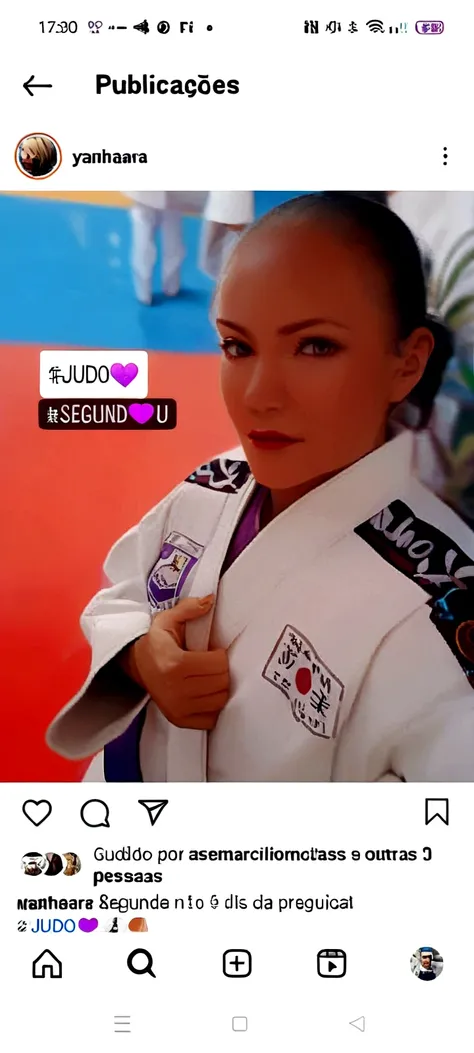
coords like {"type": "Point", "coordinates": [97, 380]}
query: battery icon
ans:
{"type": "Point", "coordinates": [429, 29]}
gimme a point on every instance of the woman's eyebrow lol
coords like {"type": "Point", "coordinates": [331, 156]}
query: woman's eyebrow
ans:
{"type": "Point", "coordinates": [293, 327]}
{"type": "Point", "coordinates": [285, 330]}
{"type": "Point", "coordinates": [233, 325]}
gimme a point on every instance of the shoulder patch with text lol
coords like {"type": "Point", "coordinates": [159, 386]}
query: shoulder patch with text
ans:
{"type": "Point", "coordinates": [222, 474]}
{"type": "Point", "coordinates": [434, 561]}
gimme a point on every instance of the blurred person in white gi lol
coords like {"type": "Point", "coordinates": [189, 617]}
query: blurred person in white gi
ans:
{"type": "Point", "coordinates": [443, 224]}
{"type": "Point", "coordinates": [300, 608]}
{"type": "Point", "coordinates": [437, 218]}
{"type": "Point", "coordinates": [225, 215]}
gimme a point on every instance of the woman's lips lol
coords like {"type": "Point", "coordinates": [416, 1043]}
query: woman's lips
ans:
{"type": "Point", "coordinates": [271, 440]}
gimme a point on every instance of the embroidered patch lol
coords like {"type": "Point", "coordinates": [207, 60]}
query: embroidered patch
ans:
{"type": "Point", "coordinates": [422, 552]}
{"type": "Point", "coordinates": [222, 474]}
{"type": "Point", "coordinates": [178, 556]}
{"type": "Point", "coordinates": [314, 692]}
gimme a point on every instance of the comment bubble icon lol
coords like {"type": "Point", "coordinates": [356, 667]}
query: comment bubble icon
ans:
{"type": "Point", "coordinates": [95, 813]}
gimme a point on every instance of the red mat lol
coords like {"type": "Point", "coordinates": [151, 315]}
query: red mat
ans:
{"type": "Point", "coordinates": [66, 497]}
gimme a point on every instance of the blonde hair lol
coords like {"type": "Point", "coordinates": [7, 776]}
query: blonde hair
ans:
{"type": "Point", "coordinates": [39, 147]}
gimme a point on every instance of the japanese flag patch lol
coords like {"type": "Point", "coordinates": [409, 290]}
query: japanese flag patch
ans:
{"type": "Point", "coordinates": [314, 692]}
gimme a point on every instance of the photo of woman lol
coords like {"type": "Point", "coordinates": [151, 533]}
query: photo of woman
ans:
{"type": "Point", "coordinates": [323, 629]}
{"type": "Point", "coordinates": [38, 156]}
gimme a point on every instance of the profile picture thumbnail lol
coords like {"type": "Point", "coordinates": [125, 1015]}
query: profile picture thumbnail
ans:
{"type": "Point", "coordinates": [38, 156]}
{"type": "Point", "coordinates": [73, 864]}
{"type": "Point", "coordinates": [33, 864]}
{"type": "Point", "coordinates": [426, 963]}
{"type": "Point", "coordinates": [55, 864]}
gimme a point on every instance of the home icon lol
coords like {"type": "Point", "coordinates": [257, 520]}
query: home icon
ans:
{"type": "Point", "coordinates": [47, 965]}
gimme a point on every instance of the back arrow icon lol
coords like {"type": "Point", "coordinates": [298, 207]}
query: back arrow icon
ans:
{"type": "Point", "coordinates": [28, 85]}
{"type": "Point", "coordinates": [359, 1023]}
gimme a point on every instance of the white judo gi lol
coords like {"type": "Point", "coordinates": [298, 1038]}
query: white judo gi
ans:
{"type": "Point", "coordinates": [163, 210]}
{"type": "Point", "coordinates": [348, 623]}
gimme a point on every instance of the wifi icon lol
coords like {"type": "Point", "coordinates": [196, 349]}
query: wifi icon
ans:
{"type": "Point", "coordinates": [375, 25]}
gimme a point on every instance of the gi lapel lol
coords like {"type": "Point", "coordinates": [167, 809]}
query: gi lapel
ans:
{"type": "Point", "coordinates": [313, 523]}
{"type": "Point", "coordinates": [186, 753]}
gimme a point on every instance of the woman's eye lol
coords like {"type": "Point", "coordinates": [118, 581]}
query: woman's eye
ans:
{"type": "Point", "coordinates": [318, 346]}
{"type": "Point", "coordinates": [235, 349]}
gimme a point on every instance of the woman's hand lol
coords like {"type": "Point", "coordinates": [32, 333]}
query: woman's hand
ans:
{"type": "Point", "coordinates": [189, 687]}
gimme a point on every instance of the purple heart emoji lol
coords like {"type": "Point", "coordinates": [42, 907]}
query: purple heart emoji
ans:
{"type": "Point", "coordinates": [88, 924]}
{"type": "Point", "coordinates": [141, 412]}
{"type": "Point", "coordinates": [124, 374]}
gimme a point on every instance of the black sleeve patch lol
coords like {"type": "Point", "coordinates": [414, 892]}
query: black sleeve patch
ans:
{"type": "Point", "coordinates": [222, 474]}
{"type": "Point", "coordinates": [435, 562]}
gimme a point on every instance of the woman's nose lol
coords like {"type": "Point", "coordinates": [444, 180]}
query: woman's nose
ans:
{"type": "Point", "coordinates": [265, 389]}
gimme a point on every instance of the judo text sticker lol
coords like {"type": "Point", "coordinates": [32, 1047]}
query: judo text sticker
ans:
{"type": "Point", "coordinates": [178, 557]}
{"type": "Point", "coordinates": [314, 692]}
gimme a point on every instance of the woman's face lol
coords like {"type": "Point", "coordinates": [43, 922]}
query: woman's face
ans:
{"type": "Point", "coordinates": [309, 344]}
{"type": "Point", "coordinates": [26, 157]}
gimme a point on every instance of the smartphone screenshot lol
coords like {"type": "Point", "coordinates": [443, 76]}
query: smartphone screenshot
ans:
{"type": "Point", "coordinates": [237, 574]}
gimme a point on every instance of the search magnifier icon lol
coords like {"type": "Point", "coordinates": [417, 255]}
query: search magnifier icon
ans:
{"type": "Point", "coordinates": [141, 967]}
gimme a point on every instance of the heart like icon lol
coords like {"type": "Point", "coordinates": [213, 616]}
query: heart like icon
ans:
{"type": "Point", "coordinates": [88, 924]}
{"type": "Point", "coordinates": [141, 412]}
{"type": "Point", "coordinates": [37, 811]}
{"type": "Point", "coordinates": [124, 374]}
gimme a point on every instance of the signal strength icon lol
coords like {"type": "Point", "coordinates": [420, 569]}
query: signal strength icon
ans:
{"type": "Point", "coordinates": [143, 27]}
{"type": "Point", "coordinates": [375, 25]}
{"type": "Point", "coordinates": [395, 29]}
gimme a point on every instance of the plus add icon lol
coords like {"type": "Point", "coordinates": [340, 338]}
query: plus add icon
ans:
{"type": "Point", "coordinates": [237, 963]}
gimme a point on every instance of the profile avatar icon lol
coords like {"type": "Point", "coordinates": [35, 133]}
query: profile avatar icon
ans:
{"type": "Point", "coordinates": [33, 864]}
{"type": "Point", "coordinates": [426, 963]}
{"type": "Point", "coordinates": [38, 156]}
{"type": "Point", "coordinates": [55, 864]}
{"type": "Point", "coordinates": [73, 864]}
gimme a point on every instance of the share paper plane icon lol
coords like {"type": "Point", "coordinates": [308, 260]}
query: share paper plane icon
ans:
{"type": "Point", "coordinates": [359, 1023]}
{"type": "Point", "coordinates": [154, 809]}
